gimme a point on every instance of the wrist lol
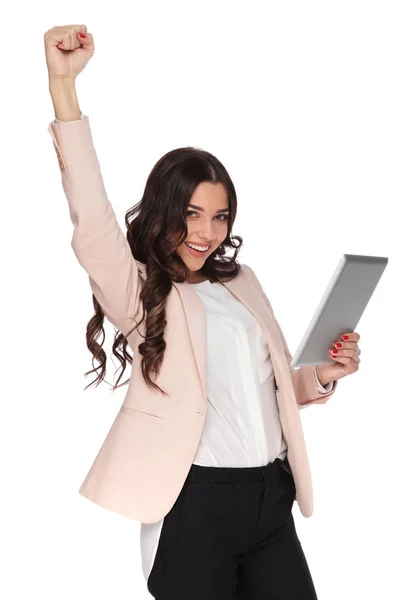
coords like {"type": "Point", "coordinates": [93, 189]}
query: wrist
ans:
{"type": "Point", "coordinates": [61, 81]}
{"type": "Point", "coordinates": [65, 99]}
{"type": "Point", "coordinates": [321, 379]}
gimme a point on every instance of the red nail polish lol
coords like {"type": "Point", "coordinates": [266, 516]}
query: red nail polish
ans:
{"type": "Point", "coordinates": [345, 337]}
{"type": "Point", "coordinates": [338, 344]}
{"type": "Point", "coordinates": [81, 35]}
{"type": "Point", "coordinates": [334, 351]}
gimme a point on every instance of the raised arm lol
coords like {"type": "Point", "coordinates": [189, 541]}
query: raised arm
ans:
{"type": "Point", "coordinates": [98, 241]}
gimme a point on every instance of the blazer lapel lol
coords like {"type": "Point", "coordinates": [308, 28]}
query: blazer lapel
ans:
{"type": "Point", "coordinates": [196, 320]}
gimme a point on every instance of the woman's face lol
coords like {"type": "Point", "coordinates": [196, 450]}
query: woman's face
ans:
{"type": "Point", "coordinates": [207, 223]}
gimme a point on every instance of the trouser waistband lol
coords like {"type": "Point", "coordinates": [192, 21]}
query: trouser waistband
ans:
{"type": "Point", "coordinates": [235, 474]}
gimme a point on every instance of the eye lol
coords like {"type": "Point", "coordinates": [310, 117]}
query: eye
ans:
{"type": "Point", "coordinates": [193, 212]}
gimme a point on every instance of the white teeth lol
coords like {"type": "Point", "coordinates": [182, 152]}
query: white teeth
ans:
{"type": "Point", "coordinates": [200, 248]}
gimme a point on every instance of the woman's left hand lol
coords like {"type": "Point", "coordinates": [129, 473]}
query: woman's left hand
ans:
{"type": "Point", "coordinates": [347, 357]}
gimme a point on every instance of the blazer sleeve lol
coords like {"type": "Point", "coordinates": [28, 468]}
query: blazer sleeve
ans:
{"type": "Point", "coordinates": [98, 242]}
{"type": "Point", "coordinates": [305, 382]}
{"type": "Point", "coordinates": [65, 122]}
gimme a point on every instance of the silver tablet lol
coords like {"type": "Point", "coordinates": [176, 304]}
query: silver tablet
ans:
{"type": "Point", "coordinates": [341, 307]}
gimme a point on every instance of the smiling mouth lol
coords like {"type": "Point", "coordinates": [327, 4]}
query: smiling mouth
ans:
{"type": "Point", "coordinates": [206, 248]}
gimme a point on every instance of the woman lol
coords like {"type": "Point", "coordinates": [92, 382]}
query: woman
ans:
{"type": "Point", "coordinates": [206, 451]}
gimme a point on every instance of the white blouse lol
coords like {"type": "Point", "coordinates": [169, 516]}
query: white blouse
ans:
{"type": "Point", "coordinates": [242, 426]}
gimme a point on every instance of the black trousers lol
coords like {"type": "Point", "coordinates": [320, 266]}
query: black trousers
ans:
{"type": "Point", "coordinates": [231, 536]}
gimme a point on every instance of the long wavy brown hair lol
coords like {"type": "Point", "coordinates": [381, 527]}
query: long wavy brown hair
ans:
{"type": "Point", "coordinates": [156, 226]}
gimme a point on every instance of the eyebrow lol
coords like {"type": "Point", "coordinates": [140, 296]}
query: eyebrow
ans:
{"type": "Point", "coordinates": [202, 209]}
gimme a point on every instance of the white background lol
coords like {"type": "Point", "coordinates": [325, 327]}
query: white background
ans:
{"type": "Point", "coordinates": [300, 101]}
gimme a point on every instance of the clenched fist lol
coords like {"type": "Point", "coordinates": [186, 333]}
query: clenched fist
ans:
{"type": "Point", "coordinates": [67, 54]}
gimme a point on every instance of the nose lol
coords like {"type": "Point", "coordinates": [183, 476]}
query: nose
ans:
{"type": "Point", "coordinates": [207, 234]}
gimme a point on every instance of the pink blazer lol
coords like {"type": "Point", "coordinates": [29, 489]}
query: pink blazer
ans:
{"type": "Point", "coordinates": [148, 451]}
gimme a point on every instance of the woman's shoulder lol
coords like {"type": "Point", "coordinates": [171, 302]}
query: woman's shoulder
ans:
{"type": "Point", "coordinates": [247, 271]}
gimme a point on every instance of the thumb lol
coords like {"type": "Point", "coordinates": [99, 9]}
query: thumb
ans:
{"type": "Point", "coordinates": [86, 39]}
